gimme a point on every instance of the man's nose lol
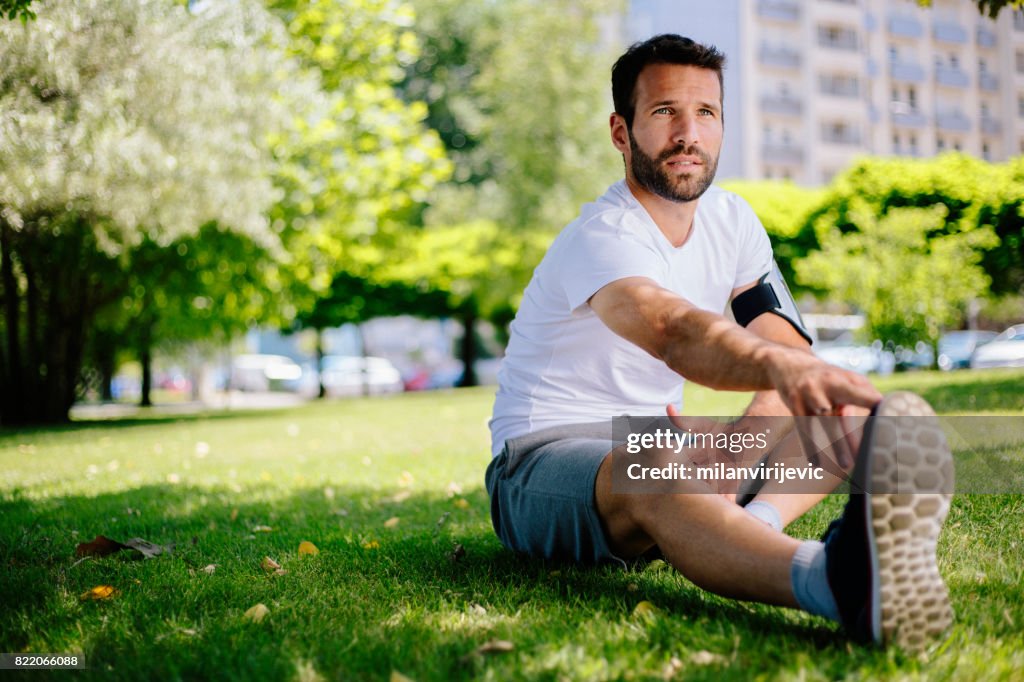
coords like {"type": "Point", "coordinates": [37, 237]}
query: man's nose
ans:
{"type": "Point", "coordinates": [686, 131]}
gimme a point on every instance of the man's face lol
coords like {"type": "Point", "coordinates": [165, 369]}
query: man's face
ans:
{"type": "Point", "coordinates": [673, 146]}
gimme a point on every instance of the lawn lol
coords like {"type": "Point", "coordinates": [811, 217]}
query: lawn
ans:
{"type": "Point", "coordinates": [409, 579]}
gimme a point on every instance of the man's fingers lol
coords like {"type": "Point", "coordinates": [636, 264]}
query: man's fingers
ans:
{"type": "Point", "coordinates": [674, 416]}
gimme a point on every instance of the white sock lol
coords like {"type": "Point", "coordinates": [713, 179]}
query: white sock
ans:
{"type": "Point", "coordinates": [810, 580]}
{"type": "Point", "coordinates": [765, 511]}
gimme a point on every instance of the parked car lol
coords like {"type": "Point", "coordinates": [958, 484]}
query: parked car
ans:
{"type": "Point", "coordinates": [956, 348]}
{"type": "Point", "coordinates": [257, 372]}
{"type": "Point", "coordinates": [856, 357]}
{"type": "Point", "coordinates": [353, 375]}
{"type": "Point", "coordinates": [1006, 350]}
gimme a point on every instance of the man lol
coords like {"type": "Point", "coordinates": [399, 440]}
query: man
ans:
{"type": "Point", "coordinates": [626, 303]}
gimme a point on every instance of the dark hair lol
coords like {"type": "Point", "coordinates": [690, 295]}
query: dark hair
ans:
{"type": "Point", "coordinates": [667, 48]}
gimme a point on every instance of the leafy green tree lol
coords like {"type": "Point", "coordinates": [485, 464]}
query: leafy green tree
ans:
{"type": "Point", "coordinates": [518, 91]}
{"type": "Point", "coordinates": [125, 121]}
{"type": "Point", "coordinates": [785, 210]}
{"type": "Point", "coordinates": [990, 7]}
{"type": "Point", "coordinates": [909, 270]}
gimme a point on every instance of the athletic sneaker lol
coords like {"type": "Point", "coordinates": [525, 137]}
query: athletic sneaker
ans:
{"type": "Point", "coordinates": [880, 555]}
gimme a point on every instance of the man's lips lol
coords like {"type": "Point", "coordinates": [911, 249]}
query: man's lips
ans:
{"type": "Point", "coordinates": [683, 162]}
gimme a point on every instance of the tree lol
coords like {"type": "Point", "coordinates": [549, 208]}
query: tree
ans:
{"type": "Point", "coordinates": [16, 9]}
{"type": "Point", "coordinates": [123, 121]}
{"type": "Point", "coordinates": [909, 270]}
{"type": "Point", "coordinates": [990, 7]}
{"type": "Point", "coordinates": [785, 210]}
{"type": "Point", "coordinates": [518, 91]}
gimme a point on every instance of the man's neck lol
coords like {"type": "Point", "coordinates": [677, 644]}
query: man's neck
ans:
{"type": "Point", "coordinates": [673, 218]}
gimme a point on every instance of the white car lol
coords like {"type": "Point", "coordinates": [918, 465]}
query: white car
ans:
{"type": "Point", "coordinates": [353, 375]}
{"type": "Point", "coordinates": [258, 372]}
{"type": "Point", "coordinates": [1006, 350]}
{"type": "Point", "coordinates": [856, 358]}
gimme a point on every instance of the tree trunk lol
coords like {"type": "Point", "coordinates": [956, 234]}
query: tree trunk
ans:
{"type": "Point", "coordinates": [321, 390]}
{"type": "Point", "coordinates": [467, 350]}
{"type": "Point", "coordinates": [12, 408]}
{"type": "Point", "coordinates": [146, 360]}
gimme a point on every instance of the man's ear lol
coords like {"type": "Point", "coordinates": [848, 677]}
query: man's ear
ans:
{"type": "Point", "coordinates": [619, 132]}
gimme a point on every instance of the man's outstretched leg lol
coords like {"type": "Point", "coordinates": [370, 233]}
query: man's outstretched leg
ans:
{"type": "Point", "coordinates": [876, 572]}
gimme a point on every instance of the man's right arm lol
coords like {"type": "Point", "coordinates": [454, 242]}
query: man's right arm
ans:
{"type": "Point", "coordinates": [715, 352]}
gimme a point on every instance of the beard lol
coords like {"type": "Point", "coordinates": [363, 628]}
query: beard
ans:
{"type": "Point", "coordinates": [650, 173]}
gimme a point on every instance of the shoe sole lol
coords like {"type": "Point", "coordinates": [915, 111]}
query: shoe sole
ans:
{"type": "Point", "coordinates": [909, 496]}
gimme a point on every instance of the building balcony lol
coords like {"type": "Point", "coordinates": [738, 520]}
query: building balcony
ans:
{"type": "Point", "coordinates": [987, 81]}
{"type": "Point", "coordinates": [954, 78]}
{"type": "Point", "coordinates": [905, 116]}
{"type": "Point", "coordinates": [846, 90]}
{"type": "Point", "coordinates": [780, 56]}
{"type": "Point", "coordinates": [850, 138]}
{"type": "Point", "coordinates": [907, 27]}
{"type": "Point", "coordinates": [952, 121]}
{"type": "Point", "coordinates": [777, 153]}
{"type": "Point", "coordinates": [985, 37]}
{"type": "Point", "coordinates": [990, 126]}
{"type": "Point", "coordinates": [780, 10]}
{"type": "Point", "coordinates": [781, 104]}
{"type": "Point", "coordinates": [844, 41]}
{"type": "Point", "coordinates": [908, 72]}
{"type": "Point", "coordinates": [949, 32]}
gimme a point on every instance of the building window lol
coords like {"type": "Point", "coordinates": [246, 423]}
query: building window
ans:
{"type": "Point", "coordinates": [838, 37]}
{"type": "Point", "coordinates": [957, 146]}
{"type": "Point", "coordinates": [1020, 106]}
{"type": "Point", "coordinates": [954, 62]}
{"type": "Point", "coordinates": [982, 66]}
{"type": "Point", "coordinates": [896, 143]}
{"type": "Point", "coordinates": [1018, 20]}
{"type": "Point", "coordinates": [940, 143]}
{"type": "Point", "coordinates": [913, 144]}
{"type": "Point", "coordinates": [912, 97]}
{"type": "Point", "coordinates": [985, 153]}
{"type": "Point", "coordinates": [1020, 61]}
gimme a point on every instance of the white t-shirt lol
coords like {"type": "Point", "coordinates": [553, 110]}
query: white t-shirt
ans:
{"type": "Point", "coordinates": [563, 365]}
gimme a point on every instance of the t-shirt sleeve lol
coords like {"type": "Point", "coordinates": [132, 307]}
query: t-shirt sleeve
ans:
{"type": "Point", "coordinates": [601, 252]}
{"type": "Point", "coordinates": [755, 256]}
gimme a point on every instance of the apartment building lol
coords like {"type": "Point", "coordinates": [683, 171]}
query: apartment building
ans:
{"type": "Point", "coordinates": [812, 84]}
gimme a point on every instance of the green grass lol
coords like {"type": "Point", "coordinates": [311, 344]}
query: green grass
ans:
{"type": "Point", "coordinates": [381, 598]}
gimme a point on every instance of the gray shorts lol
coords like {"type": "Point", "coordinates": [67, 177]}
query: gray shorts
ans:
{"type": "Point", "coordinates": [542, 494]}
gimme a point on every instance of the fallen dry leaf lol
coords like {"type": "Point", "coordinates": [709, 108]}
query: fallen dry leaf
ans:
{"type": "Point", "coordinates": [645, 609]}
{"type": "Point", "coordinates": [98, 593]}
{"type": "Point", "coordinates": [209, 569]}
{"type": "Point", "coordinates": [147, 548]}
{"type": "Point", "coordinates": [371, 544]}
{"type": "Point", "coordinates": [461, 503]}
{"type": "Point", "coordinates": [261, 529]}
{"type": "Point", "coordinates": [269, 565]}
{"type": "Point", "coordinates": [234, 513]}
{"type": "Point", "coordinates": [257, 613]}
{"type": "Point", "coordinates": [401, 496]}
{"type": "Point", "coordinates": [392, 522]}
{"type": "Point", "coordinates": [457, 553]}
{"type": "Point", "coordinates": [307, 547]}
{"type": "Point", "coordinates": [707, 658]}
{"type": "Point", "coordinates": [104, 546]}
{"type": "Point", "coordinates": [398, 677]}
{"type": "Point", "coordinates": [101, 546]}
{"type": "Point", "coordinates": [494, 646]}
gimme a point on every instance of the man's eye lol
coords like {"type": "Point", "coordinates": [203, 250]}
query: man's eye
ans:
{"type": "Point", "coordinates": [663, 110]}
{"type": "Point", "coordinates": [706, 112]}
